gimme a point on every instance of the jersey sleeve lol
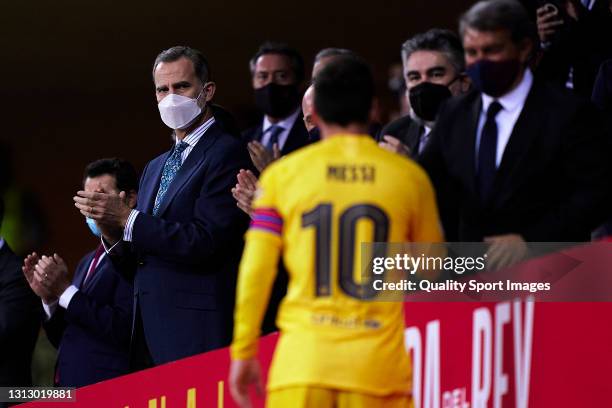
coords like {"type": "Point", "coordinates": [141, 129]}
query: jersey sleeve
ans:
{"type": "Point", "coordinates": [258, 268]}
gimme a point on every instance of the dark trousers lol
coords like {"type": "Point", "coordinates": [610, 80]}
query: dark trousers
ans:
{"type": "Point", "coordinates": [140, 356]}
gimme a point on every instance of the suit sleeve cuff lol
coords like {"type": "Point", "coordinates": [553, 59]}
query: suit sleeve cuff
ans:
{"type": "Point", "coordinates": [66, 297]}
{"type": "Point", "coordinates": [129, 226]}
{"type": "Point", "coordinates": [49, 309]}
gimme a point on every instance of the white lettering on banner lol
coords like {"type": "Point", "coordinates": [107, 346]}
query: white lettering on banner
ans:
{"type": "Point", "coordinates": [412, 341]}
{"type": "Point", "coordinates": [432, 365]}
{"type": "Point", "coordinates": [455, 399]}
{"type": "Point", "coordinates": [481, 357]}
{"type": "Point", "coordinates": [488, 350]}
{"type": "Point", "coordinates": [523, 342]}
{"type": "Point", "coordinates": [502, 317]}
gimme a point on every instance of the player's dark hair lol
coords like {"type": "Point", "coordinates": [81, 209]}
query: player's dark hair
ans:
{"type": "Point", "coordinates": [344, 90]}
{"type": "Point", "coordinates": [332, 52]}
{"type": "Point", "coordinates": [123, 171]}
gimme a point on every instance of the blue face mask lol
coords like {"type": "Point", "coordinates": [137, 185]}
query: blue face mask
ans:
{"type": "Point", "coordinates": [93, 227]}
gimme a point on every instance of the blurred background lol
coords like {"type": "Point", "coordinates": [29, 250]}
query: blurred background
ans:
{"type": "Point", "coordinates": [76, 86]}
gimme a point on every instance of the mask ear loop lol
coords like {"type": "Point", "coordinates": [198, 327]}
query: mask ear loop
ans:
{"type": "Point", "coordinates": [454, 79]}
{"type": "Point", "coordinates": [200, 94]}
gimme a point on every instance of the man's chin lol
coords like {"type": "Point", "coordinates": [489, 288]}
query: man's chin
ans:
{"type": "Point", "coordinates": [420, 121]}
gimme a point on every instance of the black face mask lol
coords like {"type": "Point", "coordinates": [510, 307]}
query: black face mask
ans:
{"type": "Point", "coordinates": [426, 99]}
{"type": "Point", "coordinates": [314, 134]}
{"type": "Point", "coordinates": [494, 78]}
{"type": "Point", "coordinates": [276, 100]}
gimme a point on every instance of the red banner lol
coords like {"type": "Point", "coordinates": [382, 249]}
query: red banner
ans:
{"type": "Point", "coordinates": [508, 354]}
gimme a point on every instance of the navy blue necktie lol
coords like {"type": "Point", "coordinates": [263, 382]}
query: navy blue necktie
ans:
{"type": "Point", "coordinates": [274, 131]}
{"type": "Point", "coordinates": [487, 152]}
{"type": "Point", "coordinates": [171, 167]}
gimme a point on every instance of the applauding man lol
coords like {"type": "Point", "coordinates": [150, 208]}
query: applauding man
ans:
{"type": "Point", "coordinates": [88, 312]}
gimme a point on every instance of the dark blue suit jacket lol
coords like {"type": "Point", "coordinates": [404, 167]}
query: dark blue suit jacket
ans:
{"type": "Point", "coordinates": [93, 335]}
{"type": "Point", "coordinates": [186, 258]}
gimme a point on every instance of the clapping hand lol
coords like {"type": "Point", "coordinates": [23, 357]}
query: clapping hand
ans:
{"type": "Point", "coordinates": [244, 192]}
{"type": "Point", "coordinates": [260, 156]}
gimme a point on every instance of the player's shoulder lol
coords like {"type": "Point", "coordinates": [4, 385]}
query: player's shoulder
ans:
{"type": "Point", "coordinates": [401, 164]}
{"type": "Point", "coordinates": [294, 161]}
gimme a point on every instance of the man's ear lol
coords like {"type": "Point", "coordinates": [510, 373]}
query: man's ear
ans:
{"type": "Point", "coordinates": [465, 83]}
{"type": "Point", "coordinates": [314, 117]}
{"type": "Point", "coordinates": [132, 199]}
{"type": "Point", "coordinates": [209, 90]}
{"type": "Point", "coordinates": [525, 50]}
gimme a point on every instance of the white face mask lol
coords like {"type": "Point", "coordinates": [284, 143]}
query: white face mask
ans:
{"type": "Point", "coordinates": [177, 111]}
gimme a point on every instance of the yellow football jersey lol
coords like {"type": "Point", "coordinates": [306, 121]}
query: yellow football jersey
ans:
{"type": "Point", "coordinates": [315, 207]}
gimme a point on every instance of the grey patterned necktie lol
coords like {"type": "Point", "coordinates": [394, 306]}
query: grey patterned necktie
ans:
{"type": "Point", "coordinates": [171, 167]}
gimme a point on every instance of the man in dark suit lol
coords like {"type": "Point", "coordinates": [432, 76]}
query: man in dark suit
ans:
{"type": "Point", "coordinates": [433, 71]}
{"type": "Point", "coordinates": [277, 74]}
{"type": "Point", "coordinates": [244, 190]}
{"type": "Point", "coordinates": [515, 160]}
{"type": "Point", "coordinates": [19, 320]}
{"type": "Point", "coordinates": [88, 315]}
{"type": "Point", "coordinates": [183, 242]}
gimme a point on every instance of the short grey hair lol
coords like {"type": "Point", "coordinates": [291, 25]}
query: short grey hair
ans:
{"type": "Point", "coordinates": [440, 40]}
{"type": "Point", "coordinates": [200, 63]}
{"type": "Point", "coordinates": [492, 15]}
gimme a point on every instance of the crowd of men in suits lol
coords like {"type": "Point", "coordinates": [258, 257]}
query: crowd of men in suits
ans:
{"type": "Point", "coordinates": [516, 153]}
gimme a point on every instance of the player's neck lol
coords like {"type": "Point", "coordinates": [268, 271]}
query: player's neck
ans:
{"type": "Point", "coordinates": [333, 130]}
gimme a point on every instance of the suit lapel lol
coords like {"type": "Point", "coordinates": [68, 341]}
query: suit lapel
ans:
{"type": "Point", "coordinates": [297, 137]}
{"type": "Point", "coordinates": [148, 188]}
{"type": "Point", "coordinates": [258, 134]}
{"type": "Point", "coordinates": [191, 164]}
{"type": "Point", "coordinates": [82, 272]}
{"type": "Point", "coordinates": [4, 256]}
{"type": "Point", "coordinates": [97, 273]}
{"type": "Point", "coordinates": [467, 140]}
{"type": "Point", "coordinates": [413, 137]}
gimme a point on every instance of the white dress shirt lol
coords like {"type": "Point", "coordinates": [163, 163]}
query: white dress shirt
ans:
{"type": "Point", "coordinates": [286, 124]}
{"type": "Point", "coordinates": [512, 105]}
{"type": "Point", "coordinates": [191, 139]}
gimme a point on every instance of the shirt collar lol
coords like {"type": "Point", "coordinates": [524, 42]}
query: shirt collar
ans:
{"type": "Point", "coordinates": [514, 99]}
{"type": "Point", "coordinates": [286, 123]}
{"type": "Point", "coordinates": [194, 137]}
